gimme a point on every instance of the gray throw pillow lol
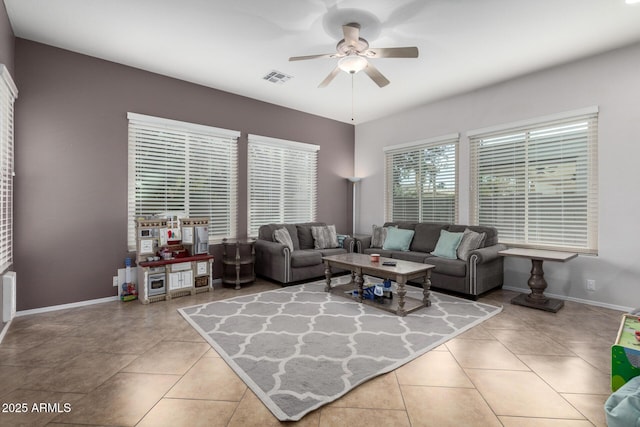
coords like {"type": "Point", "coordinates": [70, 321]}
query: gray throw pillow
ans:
{"type": "Point", "coordinates": [378, 236]}
{"type": "Point", "coordinates": [282, 235]}
{"type": "Point", "coordinates": [470, 242]}
{"type": "Point", "coordinates": [324, 237]}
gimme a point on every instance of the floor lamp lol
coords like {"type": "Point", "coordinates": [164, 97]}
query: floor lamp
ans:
{"type": "Point", "coordinates": [354, 180]}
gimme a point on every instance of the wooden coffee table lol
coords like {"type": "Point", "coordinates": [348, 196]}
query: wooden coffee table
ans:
{"type": "Point", "coordinates": [360, 264]}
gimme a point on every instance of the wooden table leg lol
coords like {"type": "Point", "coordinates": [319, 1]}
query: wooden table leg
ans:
{"type": "Point", "coordinates": [426, 286]}
{"type": "Point", "coordinates": [401, 293]}
{"type": "Point", "coordinates": [327, 275]}
{"type": "Point", "coordinates": [537, 298]}
{"type": "Point", "coordinates": [360, 283]}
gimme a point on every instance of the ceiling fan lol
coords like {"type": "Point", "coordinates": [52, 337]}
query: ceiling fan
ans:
{"type": "Point", "coordinates": [354, 51]}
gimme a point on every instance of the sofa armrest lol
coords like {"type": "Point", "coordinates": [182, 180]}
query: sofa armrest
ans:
{"type": "Point", "coordinates": [362, 242]}
{"type": "Point", "coordinates": [273, 260]}
{"type": "Point", "coordinates": [484, 255]}
{"type": "Point", "coordinates": [349, 244]}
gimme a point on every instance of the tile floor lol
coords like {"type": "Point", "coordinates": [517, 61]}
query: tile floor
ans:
{"type": "Point", "coordinates": [126, 364]}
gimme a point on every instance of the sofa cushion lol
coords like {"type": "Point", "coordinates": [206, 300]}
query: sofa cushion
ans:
{"type": "Point", "coordinates": [332, 251]}
{"type": "Point", "coordinates": [398, 239]}
{"type": "Point", "coordinates": [281, 235]}
{"type": "Point", "coordinates": [378, 236]}
{"type": "Point", "coordinates": [411, 256]}
{"type": "Point", "coordinates": [324, 237]}
{"type": "Point", "coordinates": [426, 237]}
{"type": "Point", "coordinates": [305, 258]}
{"type": "Point", "coordinates": [265, 232]}
{"type": "Point", "coordinates": [447, 245]}
{"type": "Point", "coordinates": [304, 234]}
{"type": "Point", "coordinates": [470, 241]}
{"type": "Point", "coordinates": [450, 267]}
{"type": "Point", "coordinates": [491, 233]}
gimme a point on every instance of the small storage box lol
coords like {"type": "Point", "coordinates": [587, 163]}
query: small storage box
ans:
{"type": "Point", "coordinates": [625, 353]}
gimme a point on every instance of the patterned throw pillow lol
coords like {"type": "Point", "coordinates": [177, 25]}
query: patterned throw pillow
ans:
{"type": "Point", "coordinates": [378, 236]}
{"type": "Point", "coordinates": [470, 242]}
{"type": "Point", "coordinates": [282, 235]}
{"type": "Point", "coordinates": [324, 237]}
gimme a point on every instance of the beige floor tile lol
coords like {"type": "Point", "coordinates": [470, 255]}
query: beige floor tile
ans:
{"type": "Point", "coordinates": [351, 417]}
{"type": "Point", "coordinates": [476, 333]}
{"type": "Point", "coordinates": [433, 369]}
{"type": "Point", "coordinates": [382, 392]}
{"type": "Point", "coordinates": [484, 354]}
{"type": "Point", "coordinates": [123, 400]}
{"type": "Point", "coordinates": [591, 406]}
{"type": "Point", "coordinates": [443, 407]}
{"type": "Point", "coordinates": [520, 393]}
{"type": "Point", "coordinates": [251, 412]}
{"type": "Point", "coordinates": [212, 379]}
{"type": "Point", "coordinates": [188, 413]}
{"type": "Point", "coordinates": [569, 374]}
{"type": "Point", "coordinates": [505, 320]}
{"type": "Point", "coordinates": [31, 412]}
{"type": "Point", "coordinates": [598, 356]}
{"type": "Point", "coordinates": [14, 377]}
{"type": "Point", "coordinates": [53, 352]}
{"type": "Point", "coordinates": [81, 374]}
{"type": "Point", "coordinates": [529, 342]}
{"type": "Point", "coordinates": [168, 357]}
{"type": "Point", "coordinates": [542, 422]}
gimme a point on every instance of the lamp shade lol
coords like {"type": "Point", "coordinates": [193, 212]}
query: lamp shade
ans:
{"type": "Point", "coordinates": [352, 64]}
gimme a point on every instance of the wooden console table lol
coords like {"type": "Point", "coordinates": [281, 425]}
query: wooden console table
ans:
{"type": "Point", "coordinates": [537, 284]}
{"type": "Point", "coordinates": [238, 261]}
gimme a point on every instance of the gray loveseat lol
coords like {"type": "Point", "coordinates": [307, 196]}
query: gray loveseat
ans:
{"type": "Point", "coordinates": [275, 261]}
{"type": "Point", "coordinates": [481, 272]}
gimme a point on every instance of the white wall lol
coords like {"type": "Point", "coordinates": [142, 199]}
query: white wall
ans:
{"type": "Point", "coordinates": [610, 81]}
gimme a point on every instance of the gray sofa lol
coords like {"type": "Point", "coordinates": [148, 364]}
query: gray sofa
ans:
{"type": "Point", "coordinates": [482, 271]}
{"type": "Point", "coordinates": [275, 261]}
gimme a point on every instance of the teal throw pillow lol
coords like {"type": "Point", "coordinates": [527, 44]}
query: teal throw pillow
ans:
{"type": "Point", "coordinates": [398, 239]}
{"type": "Point", "coordinates": [447, 246]}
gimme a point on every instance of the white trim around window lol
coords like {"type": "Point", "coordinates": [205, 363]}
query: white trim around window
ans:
{"type": "Point", "coordinates": [8, 95]}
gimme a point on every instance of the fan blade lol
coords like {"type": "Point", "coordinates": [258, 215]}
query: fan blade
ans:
{"type": "Point", "coordinates": [392, 52]}
{"type": "Point", "coordinates": [302, 58]}
{"type": "Point", "coordinates": [330, 77]}
{"type": "Point", "coordinates": [376, 75]}
{"type": "Point", "coordinates": [351, 34]}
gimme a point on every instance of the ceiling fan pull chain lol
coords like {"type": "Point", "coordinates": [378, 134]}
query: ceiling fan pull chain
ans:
{"type": "Point", "coordinates": [352, 95]}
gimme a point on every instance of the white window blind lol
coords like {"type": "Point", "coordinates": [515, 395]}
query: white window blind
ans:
{"type": "Point", "coordinates": [421, 181]}
{"type": "Point", "coordinates": [183, 167]}
{"type": "Point", "coordinates": [283, 181]}
{"type": "Point", "coordinates": [8, 95]}
{"type": "Point", "coordinates": [537, 182]}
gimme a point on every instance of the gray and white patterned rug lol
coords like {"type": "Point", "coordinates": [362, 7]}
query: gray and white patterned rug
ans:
{"type": "Point", "coordinates": [299, 348]}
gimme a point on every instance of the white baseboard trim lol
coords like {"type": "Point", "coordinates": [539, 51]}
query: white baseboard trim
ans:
{"type": "Point", "coordinates": [579, 300]}
{"type": "Point", "coordinates": [65, 306]}
{"type": "Point", "coordinates": [4, 330]}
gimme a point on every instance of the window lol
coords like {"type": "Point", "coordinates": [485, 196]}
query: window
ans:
{"type": "Point", "coordinates": [536, 182]}
{"type": "Point", "coordinates": [283, 181]}
{"type": "Point", "coordinates": [8, 94]}
{"type": "Point", "coordinates": [421, 182]}
{"type": "Point", "coordinates": [182, 167]}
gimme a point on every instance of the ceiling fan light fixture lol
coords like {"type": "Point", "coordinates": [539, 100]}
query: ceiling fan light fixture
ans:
{"type": "Point", "coordinates": [352, 64]}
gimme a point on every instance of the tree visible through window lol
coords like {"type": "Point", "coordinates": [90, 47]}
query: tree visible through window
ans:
{"type": "Point", "coordinates": [421, 181]}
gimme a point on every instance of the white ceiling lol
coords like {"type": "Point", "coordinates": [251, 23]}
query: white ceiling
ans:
{"type": "Point", "coordinates": [231, 45]}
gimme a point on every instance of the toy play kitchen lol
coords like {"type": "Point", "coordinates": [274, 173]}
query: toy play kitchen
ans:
{"type": "Point", "coordinates": [173, 258]}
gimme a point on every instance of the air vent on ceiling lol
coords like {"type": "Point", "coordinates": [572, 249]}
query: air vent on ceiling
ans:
{"type": "Point", "coordinates": [277, 77]}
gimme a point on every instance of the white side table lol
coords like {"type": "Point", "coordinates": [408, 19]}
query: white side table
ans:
{"type": "Point", "coordinates": [537, 284]}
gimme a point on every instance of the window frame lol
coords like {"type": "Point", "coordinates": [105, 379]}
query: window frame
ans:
{"type": "Point", "coordinates": [546, 143]}
{"type": "Point", "coordinates": [192, 141]}
{"type": "Point", "coordinates": [285, 170]}
{"type": "Point", "coordinates": [418, 148]}
{"type": "Point", "coordinates": [8, 95]}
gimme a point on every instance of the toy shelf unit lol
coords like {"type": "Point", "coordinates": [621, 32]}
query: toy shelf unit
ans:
{"type": "Point", "coordinates": [172, 257]}
{"type": "Point", "coordinates": [625, 353]}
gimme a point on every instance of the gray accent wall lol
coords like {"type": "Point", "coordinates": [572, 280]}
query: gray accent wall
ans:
{"type": "Point", "coordinates": [71, 163]}
{"type": "Point", "coordinates": [610, 81]}
{"type": "Point", "coordinates": [7, 40]}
